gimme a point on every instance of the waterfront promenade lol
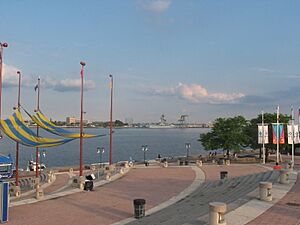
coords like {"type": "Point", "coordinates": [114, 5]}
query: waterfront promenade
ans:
{"type": "Point", "coordinates": [112, 203]}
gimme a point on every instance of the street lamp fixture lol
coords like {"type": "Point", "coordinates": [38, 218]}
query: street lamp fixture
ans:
{"type": "Point", "coordinates": [43, 155]}
{"type": "Point", "coordinates": [3, 45]}
{"type": "Point", "coordinates": [145, 149]}
{"type": "Point", "coordinates": [187, 146]}
{"type": "Point", "coordinates": [100, 151]}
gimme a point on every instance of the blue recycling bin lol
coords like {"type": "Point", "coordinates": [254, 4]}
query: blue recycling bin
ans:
{"type": "Point", "coordinates": [4, 201]}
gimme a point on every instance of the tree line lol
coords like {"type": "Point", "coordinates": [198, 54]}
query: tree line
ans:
{"type": "Point", "coordinates": [236, 133]}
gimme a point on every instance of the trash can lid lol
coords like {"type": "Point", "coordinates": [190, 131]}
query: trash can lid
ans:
{"type": "Point", "coordinates": [139, 201]}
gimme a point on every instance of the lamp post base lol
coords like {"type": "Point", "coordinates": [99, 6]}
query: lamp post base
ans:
{"type": "Point", "coordinates": [39, 193]}
{"type": "Point", "coordinates": [81, 182]}
{"type": "Point", "coordinates": [15, 191]}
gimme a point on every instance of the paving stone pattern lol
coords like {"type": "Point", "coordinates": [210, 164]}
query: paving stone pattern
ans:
{"type": "Point", "coordinates": [107, 204]}
{"type": "Point", "coordinates": [188, 210]}
{"type": "Point", "coordinates": [284, 212]}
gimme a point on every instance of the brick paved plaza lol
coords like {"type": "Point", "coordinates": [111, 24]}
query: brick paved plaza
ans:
{"type": "Point", "coordinates": [113, 202]}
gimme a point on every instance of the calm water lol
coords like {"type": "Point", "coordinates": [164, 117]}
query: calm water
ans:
{"type": "Point", "coordinates": [126, 143]}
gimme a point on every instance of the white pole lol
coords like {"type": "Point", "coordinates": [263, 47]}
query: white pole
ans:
{"type": "Point", "coordinates": [277, 135]}
{"type": "Point", "coordinates": [293, 133]}
{"type": "Point", "coordinates": [299, 117]}
{"type": "Point", "coordinates": [263, 137]}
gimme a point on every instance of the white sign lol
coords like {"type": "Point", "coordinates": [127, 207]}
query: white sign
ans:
{"type": "Point", "coordinates": [290, 134]}
{"type": "Point", "coordinates": [263, 132]}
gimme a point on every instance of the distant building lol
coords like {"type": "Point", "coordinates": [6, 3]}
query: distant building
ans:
{"type": "Point", "coordinates": [71, 120]}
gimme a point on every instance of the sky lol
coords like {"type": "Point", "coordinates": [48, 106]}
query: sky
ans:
{"type": "Point", "coordinates": [206, 59]}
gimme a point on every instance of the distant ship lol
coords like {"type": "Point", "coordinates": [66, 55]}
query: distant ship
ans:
{"type": "Point", "coordinates": [162, 124]}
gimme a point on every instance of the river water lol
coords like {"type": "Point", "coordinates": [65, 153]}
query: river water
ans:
{"type": "Point", "coordinates": [126, 143]}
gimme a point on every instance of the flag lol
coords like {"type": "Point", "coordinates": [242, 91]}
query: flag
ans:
{"type": "Point", "coordinates": [280, 134]}
{"type": "Point", "coordinates": [36, 87]}
{"type": "Point", "coordinates": [263, 134]}
{"type": "Point", "coordinates": [290, 134]}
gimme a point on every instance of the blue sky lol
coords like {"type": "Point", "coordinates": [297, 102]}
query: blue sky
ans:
{"type": "Point", "coordinates": [207, 59]}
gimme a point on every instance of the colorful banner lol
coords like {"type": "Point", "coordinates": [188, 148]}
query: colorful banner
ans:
{"type": "Point", "coordinates": [280, 134]}
{"type": "Point", "coordinates": [263, 132]}
{"type": "Point", "coordinates": [290, 134]}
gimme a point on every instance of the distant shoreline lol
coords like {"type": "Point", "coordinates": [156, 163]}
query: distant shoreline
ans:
{"type": "Point", "coordinates": [156, 128]}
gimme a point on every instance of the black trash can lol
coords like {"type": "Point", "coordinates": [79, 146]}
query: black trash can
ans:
{"type": "Point", "coordinates": [223, 175]}
{"type": "Point", "coordinates": [90, 177]}
{"type": "Point", "coordinates": [221, 162]}
{"type": "Point", "coordinates": [180, 162]}
{"type": "Point", "coordinates": [88, 185]}
{"type": "Point", "coordinates": [139, 208]}
{"type": "Point", "coordinates": [186, 162]}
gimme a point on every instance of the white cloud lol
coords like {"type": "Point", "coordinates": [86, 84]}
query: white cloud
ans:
{"type": "Point", "coordinates": [70, 85]}
{"type": "Point", "coordinates": [293, 76]}
{"type": "Point", "coordinates": [196, 93]}
{"type": "Point", "coordinates": [10, 79]}
{"type": "Point", "coordinates": [156, 6]}
{"type": "Point", "coordinates": [265, 70]}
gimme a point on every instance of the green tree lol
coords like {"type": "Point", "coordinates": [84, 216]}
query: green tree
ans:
{"type": "Point", "coordinates": [226, 134]}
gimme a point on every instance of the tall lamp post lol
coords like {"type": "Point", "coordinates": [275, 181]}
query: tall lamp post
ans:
{"type": "Point", "coordinates": [263, 138]}
{"type": "Point", "coordinates": [43, 155]}
{"type": "Point", "coordinates": [145, 149]}
{"type": "Point", "coordinates": [100, 151]}
{"type": "Point", "coordinates": [81, 121]}
{"type": "Point", "coordinates": [17, 143]}
{"type": "Point", "coordinates": [37, 87]}
{"type": "Point", "coordinates": [2, 46]}
{"type": "Point", "coordinates": [110, 120]}
{"type": "Point", "coordinates": [293, 137]}
{"type": "Point", "coordinates": [187, 146]}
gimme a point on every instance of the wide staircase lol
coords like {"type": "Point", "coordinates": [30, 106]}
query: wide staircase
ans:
{"type": "Point", "coordinates": [195, 205]}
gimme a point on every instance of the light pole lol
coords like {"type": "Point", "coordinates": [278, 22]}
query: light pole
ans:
{"type": "Point", "coordinates": [187, 146]}
{"type": "Point", "coordinates": [145, 149]}
{"type": "Point", "coordinates": [81, 121]}
{"type": "Point", "coordinates": [293, 137]}
{"type": "Point", "coordinates": [277, 135]}
{"type": "Point", "coordinates": [100, 151]}
{"type": "Point", "coordinates": [17, 143]}
{"type": "Point", "coordinates": [110, 120]}
{"type": "Point", "coordinates": [37, 126]}
{"type": "Point", "coordinates": [2, 46]}
{"type": "Point", "coordinates": [263, 138]}
{"type": "Point", "coordinates": [43, 155]}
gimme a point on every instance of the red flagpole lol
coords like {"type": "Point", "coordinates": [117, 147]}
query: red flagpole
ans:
{"type": "Point", "coordinates": [2, 45]}
{"type": "Point", "coordinates": [110, 124]}
{"type": "Point", "coordinates": [37, 131]}
{"type": "Point", "coordinates": [17, 143]}
{"type": "Point", "coordinates": [81, 121]}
